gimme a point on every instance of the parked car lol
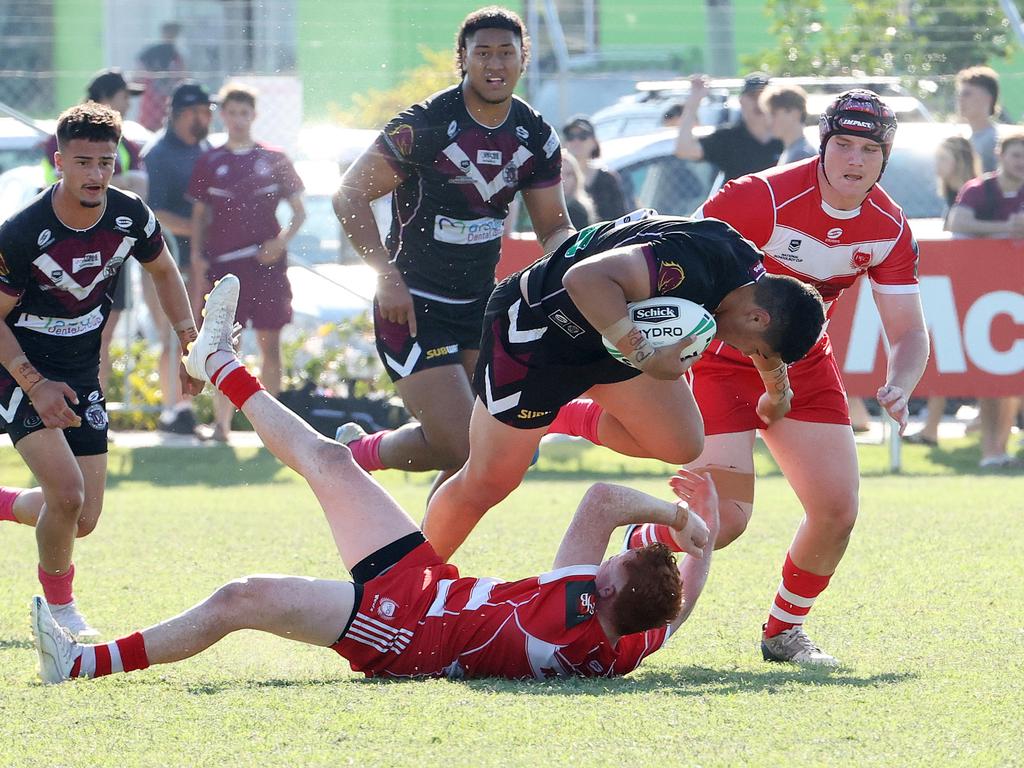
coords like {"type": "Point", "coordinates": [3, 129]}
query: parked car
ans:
{"type": "Point", "coordinates": [659, 180]}
{"type": "Point", "coordinates": [20, 144]}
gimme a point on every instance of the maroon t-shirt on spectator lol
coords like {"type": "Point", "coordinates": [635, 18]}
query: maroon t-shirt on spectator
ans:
{"type": "Point", "coordinates": [987, 199]}
{"type": "Point", "coordinates": [242, 190]}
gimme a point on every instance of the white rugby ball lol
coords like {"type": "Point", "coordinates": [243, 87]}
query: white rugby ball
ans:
{"type": "Point", "coordinates": [665, 320]}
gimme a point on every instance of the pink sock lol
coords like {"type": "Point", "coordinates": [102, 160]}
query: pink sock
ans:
{"type": "Point", "coordinates": [578, 418]}
{"type": "Point", "coordinates": [7, 498]}
{"type": "Point", "coordinates": [124, 655]}
{"type": "Point", "coordinates": [796, 595]}
{"type": "Point", "coordinates": [366, 451]}
{"type": "Point", "coordinates": [57, 589]}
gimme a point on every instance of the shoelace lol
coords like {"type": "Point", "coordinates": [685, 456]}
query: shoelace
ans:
{"type": "Point", "coordinates": [799, 638]}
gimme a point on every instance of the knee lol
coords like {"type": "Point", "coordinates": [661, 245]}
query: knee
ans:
{"type": "Point", "coordinates": [480, 489]}
{"type": "Point", "coordinates": [65, 501]}
{"type": "Point", "coordinates": [840, 515]}
{"type": "Point", "coordinates": [733, 522]}
{"type": "Point", "coordinates": [684, 449]}
{"type": "Point", "coordinates": [330, 458]}
{"type": "Point", "coordinates": [238, 598]}
{"type": "Point", "coordinates": [86, 525]}
{"type": "Point", "coordinates": [450, 449]}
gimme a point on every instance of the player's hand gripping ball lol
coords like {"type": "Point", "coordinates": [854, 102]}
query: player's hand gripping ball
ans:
{"type": "Point", "coordinates": [665, 320]}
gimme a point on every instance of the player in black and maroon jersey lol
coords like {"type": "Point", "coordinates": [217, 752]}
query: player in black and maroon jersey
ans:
{"type": "Point", "coordinates": [542, 346]}
{"type": "Point", "coordinates": [59, 261]}
{"type": "Point", "coordinates": [407, 614]}
{"type": "Point", "coordinates": [454, 163]}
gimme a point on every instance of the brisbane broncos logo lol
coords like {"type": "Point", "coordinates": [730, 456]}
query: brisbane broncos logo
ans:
{"type": "Point", "coordinates": [401, 138]}
{"type": "Point", "coordinates": [670, 275]}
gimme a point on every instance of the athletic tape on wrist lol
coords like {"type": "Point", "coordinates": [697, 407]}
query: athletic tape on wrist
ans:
{"type": "Point", "coordinates": [776, 380]}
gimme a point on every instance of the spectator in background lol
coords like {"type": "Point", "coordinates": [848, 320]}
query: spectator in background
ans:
{"type": "Point", "coordinates": [743, 147]}
{"type": "Point", "coordinates": [992, 205]}
{"type": "Point", "coordinates": [235, 191]}
{"type": "Point", "coordinates": [786, 107]}
{"type": "Point", "coordinates": [109, 88]}
{"type": "Point", "coordinates": [672, 116]}
{"type": "Point", "coordinates": [577, 201]}
{"type": "Point", "coordinates": [977, 99]}
{"type": "Point", "coordinates": [169, 161]}
{"type": "Point", "coordinates": [164, 68]}
{"type": "Point", "coordinates": [603, 185]}
{"type": "Point", "coordinates": [955, 164]}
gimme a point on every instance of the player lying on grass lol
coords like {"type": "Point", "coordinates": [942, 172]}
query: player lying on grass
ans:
{"type": "Point", "coordinates": [406, 613]}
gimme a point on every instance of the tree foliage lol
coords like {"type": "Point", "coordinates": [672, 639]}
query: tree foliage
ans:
{"type": "Point", "coordinates": [921, 38]}
{"type": "Point", "coordinates": [374, 108]}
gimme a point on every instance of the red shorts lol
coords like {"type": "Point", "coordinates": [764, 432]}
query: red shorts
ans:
{"type": "Point", "coordinates": [387, 634]}
{"type": "Point", "coordinates": [265, 295]}
{"type": "Point", "coordinates": [727, 386]}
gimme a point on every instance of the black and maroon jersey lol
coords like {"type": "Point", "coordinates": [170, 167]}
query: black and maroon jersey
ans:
{"type": "Point", "coordinates": [698, 260]}
{"type": "Point", "coordinates": [64, 278]}
{"type": "Point", "coordinates": [458, 179]}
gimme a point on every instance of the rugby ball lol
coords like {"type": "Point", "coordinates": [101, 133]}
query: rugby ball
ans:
{"type": "Point", "coordinates": [665, 320]}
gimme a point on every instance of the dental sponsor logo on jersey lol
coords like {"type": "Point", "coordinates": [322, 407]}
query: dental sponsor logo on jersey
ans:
{"type": "Point", "coordinates": [45, 238]}
{"type": "Point", "coordinates": [466, 232]}
{"type": "Point", "coordinates": [488, 157]}
{"type": "Point", "coordinates": [61, 326]}
{"type": "Point", "coordinates": [89, 261]}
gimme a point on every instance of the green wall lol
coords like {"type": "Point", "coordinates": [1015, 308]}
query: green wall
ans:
{"type": "Point", "coordinates": [78, 48]}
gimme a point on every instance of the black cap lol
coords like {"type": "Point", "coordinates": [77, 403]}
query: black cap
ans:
{"type": "Point", "coordinates": [189, 93]}
{"type": "Point", "coordinates": [755, 82]}
{"type": "Point", "coordinates": [108, 82]}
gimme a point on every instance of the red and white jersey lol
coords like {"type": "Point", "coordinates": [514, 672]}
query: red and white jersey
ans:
{"type": "Point", "coordinates": [781, 211]}
{"type": "Point", "coordinates": [462, 627]}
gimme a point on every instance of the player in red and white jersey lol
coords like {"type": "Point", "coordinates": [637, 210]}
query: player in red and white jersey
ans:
{"type": "Point", "coordinates": [406, 613]}
{"type": "Point", "coordinates": [824, 221]}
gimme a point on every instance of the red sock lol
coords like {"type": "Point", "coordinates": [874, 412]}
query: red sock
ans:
{"type": "Point", "coordinates": [796, 595]}
{"type": "Point", "coordinates": [238, 386]}
{"type": "Point", "coordinates": [57, 589]}
{"type": "Point", "coordinates": [649, 533]}
{"type": "Point", "coordinates": [124, 655]}
{"type": "Point", "coordinates": [578, 418]}
{"type": "Point", "coordinates": [7, 498]}
{"type": "Point", "coordinates": [366, 451]}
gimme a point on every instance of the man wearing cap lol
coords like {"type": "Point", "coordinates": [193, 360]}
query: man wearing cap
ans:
{"type": "Point", "coordinates": [743, 147]}
{"type": "Point", "coordinates": [110, 89]}
{"type": "Point", "coordinates": [170, 160]}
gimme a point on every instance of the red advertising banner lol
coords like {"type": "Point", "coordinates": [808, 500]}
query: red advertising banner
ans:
{"type": "Point", "coordinates": [972, 292]}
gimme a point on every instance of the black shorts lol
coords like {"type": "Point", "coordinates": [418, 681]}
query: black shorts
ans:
{"type": "Point", "coordinates": [443, 331]}
{"type": "Point", "coordinates": [527, 370]}
{"type": "Point", "coordinates": [18, 418]}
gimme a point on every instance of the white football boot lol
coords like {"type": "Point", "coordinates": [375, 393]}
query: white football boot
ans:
{"type": "Point", "coordinates": [794, 645]}
{"type": "Point", "coordinates": [69, 617]}
{"type": "Point", "coordinates": [349, 432]}
{"type": "Point", "coordinates": [56, 648]}
{"type": "Point", "coordinates": [217, 330]}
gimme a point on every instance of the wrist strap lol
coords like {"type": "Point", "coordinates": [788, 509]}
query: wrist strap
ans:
{"type": "Point", "coordinates": [776, 380]}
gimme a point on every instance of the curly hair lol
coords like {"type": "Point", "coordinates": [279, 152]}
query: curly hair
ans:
{"type": "Point", "coordinates": [89, 121]}
{"type": "Point", "coordinates": [491, 17]}
{"type": "Point", "coordinates": [653, 594]}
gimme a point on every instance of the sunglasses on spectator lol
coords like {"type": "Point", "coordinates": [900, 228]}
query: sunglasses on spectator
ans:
{"type": "Point", "coordinates": [578, 135]}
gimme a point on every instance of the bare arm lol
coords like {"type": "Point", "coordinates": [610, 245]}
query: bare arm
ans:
{"type": "Point", "coordinates": [275, 249]}
{"type": "Point", "coordinates": [174, 300]}
{"type": "Point", "coordinates": [601, 287]}
{"type": "Point", "coordinates": [548, 213]}
{"type": "Point", "coordinates": [49, 398]}
{"type": "Point", "coordinates": [963, 221]}
{"type": "Point", "coordinates": [687, 145]}
{"type": "Point", "coordinates": [605, 507]}
{"type": "Point", "coordinates": [699, 493]}
{"type": "Point", "coordinates": [905, 329]}
{"type": "Point", "coordinates": [368, 178]}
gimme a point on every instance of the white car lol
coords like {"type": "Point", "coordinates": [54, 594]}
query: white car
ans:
{"type": "Point", "coordinates": [659, 180]}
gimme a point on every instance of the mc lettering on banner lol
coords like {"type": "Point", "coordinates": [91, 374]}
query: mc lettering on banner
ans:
{"type": "Point", "coordinates": [972, 292]}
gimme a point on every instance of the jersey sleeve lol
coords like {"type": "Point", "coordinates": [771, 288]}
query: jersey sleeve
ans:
{"type": "Point", "coordinates": [972, 195]}
{"type": "Point", "coordinates": [406, 141]}
{"type": "Point", "coordinates": [291, 183]}
{"type": "Point", "coordinates": [566, 603]}
{"type": "Point", "coordinates": [676, 270]}
{"type": "Point", "coordinates": [548, 170]}
{"type": "Point", "coordinates": [150, 240]}
{"type": "Point", "coordinates": [632, 649]}
{"type": "Point", "coordinates": [897, 272]}
{"type": "Point", "coordinates": [199, 184]}
{"type": "Point", "coordinates": [13, 274]}
{"type": "Point", "coordinates": [745, 203]}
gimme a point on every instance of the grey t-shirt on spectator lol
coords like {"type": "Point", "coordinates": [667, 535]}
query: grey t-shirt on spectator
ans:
{"type": "Point", "coordinates": [800, 149]}
{"type": "Point", "coordinates": [984, 143]}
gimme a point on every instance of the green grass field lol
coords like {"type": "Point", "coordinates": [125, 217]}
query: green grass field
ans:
{"type": "Point", "coordinates": [926, 612]}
